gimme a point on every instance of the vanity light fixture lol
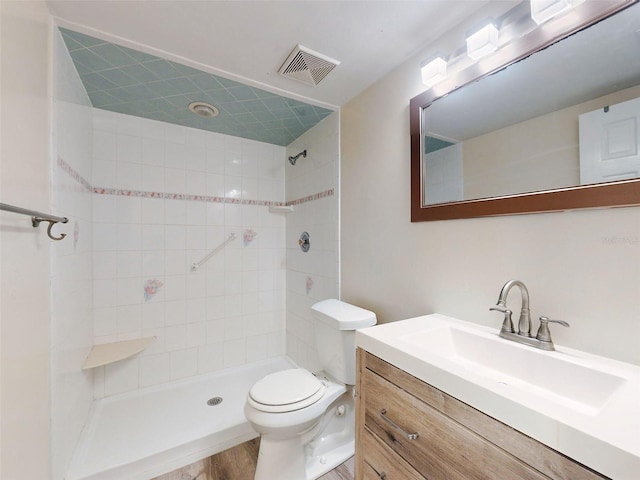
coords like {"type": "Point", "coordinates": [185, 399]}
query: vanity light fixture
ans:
{"type": "Point", "coordinates": [482, 42]}
{"type": "Point", "coordinates": [434, 72]}
{"type": "Point", "coordinates": [543, 10]}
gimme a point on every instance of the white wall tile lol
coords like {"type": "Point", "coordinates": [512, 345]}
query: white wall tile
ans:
{"type": "Point", "coordinates": [184, 363]}
{"type": "Point", "coordinates": [153, 178]}
{"type": "Point", "coordinates": [121, 377]}
{"type": "Point", "coordinates": [153, 316]}
{"type": "Point", "coordinates": [139, 239]}
{"type": "Point", "coordinates": [128, 236]}
{"type": "Point", "coordinates": [153, 238]}
{"type": "Point", "coordinates": [104, 321]}
{"type": "Point", "coordinates": [233, 216]}
{"type": "Point", "coordinates": [129, 318]}
{"type": "Point", "coordinates": [129, 149]}
{"type": "Point", "coordinates": [104, 264]}
{"type": "Point", "coordinates": [214, 185]}
{"type": "Point", "coordinates": [153, 262]}
{"type": "Point", "coordinates": [196, 183]}
{"type": "Point", "coordinates": [129, 176]}
{"type": "Point", "coordinates": [104, 120]}
{"type": "Point", "coordinates": [210, 358]}
{"type": "Point", "coordinates": [155, 369]}
{"type": "Point", "coordinates": [175, 312]}
{"type": "Point", "coordinates": [105, 174]}
{"type": "Point", "coordinates": [257, 348]}
{"type": "Point", "coordinates": [153, 210]}
{"type": "Point", "coordinates": [176, 337]}
{"type": "Point", "coordinates": [105, 237]}
{"type": "Point", "coordinates": [175, 156]}
{"type": "Point", "coordinates": [175, 180]}
{"type": "Point", "coordinates": [152, 129]}
{"type": "Point", "coordinates": [215, 213]}
{"type": "Point", "coordinates": [196, 334]}
{"type": "Point", "coordinates": [175, 212]}
{"type": "Point", "coordinates": [234, 353]}
{"type": "Point", "coordinates": [129, 264]}
{"type": "Point", "coordinates": [104, 292]}
{"type": "Point", "coordinates": [175, 237]}
{"type": "Point", "coordinates": [320, 265]}
{"type": "Point", "coordinates": [153, 152]}
{"type": "Point", "coordinates": [105, 146]}
{"type": "Point", "coordinates": [175, 262]}
{"type": "Point", "coordinates": [129, 291]}
{"type": "Point", "coordinates": [196, 213]}
{"type": "Point", "coordinates": [175, 287]}
{"type": "Point", "coordinates": [233, 163]}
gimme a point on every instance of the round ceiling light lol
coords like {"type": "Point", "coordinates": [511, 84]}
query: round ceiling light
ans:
{"type": "Point", "coordinates": [202, 109]}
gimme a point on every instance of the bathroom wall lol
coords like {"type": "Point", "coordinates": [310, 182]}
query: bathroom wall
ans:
{"type": "Point", "coordinates": [25, 251]}
{"type": "Point", "coordinates": [312, 190]}
{"type": "Point", "coordinates": [71, 258]}
{"type": "Point", "coordinates": [581, 266]}
{"type": "Point", "coordinates": [164, 197]}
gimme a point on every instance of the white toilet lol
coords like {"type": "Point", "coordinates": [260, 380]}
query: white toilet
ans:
{"type": "Point", "coordinates": [307, 420]}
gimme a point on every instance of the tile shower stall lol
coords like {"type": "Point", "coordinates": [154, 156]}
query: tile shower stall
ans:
{"type": "Point", "coordinates": [147, 199]}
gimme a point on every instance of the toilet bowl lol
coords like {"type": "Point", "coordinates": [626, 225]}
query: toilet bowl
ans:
{"type": "Point", "coordinates": [307, 420]}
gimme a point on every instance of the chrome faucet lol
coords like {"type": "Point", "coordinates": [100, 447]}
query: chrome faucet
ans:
{"type": "Point", "coordinates": [542, 339]}
{"type": "Point", "coordinates": [524, 323]}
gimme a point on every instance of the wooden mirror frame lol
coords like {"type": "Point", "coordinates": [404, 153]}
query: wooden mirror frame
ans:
{"type": "Point", "coordinates": [608, 194]}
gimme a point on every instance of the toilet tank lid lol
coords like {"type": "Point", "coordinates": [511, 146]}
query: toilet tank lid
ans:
{"type": "Point", "coordinates": [342, 316]}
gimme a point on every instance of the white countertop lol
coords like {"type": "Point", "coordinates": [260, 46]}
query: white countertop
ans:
{"type": "Point", "coordinates": [605, 439]}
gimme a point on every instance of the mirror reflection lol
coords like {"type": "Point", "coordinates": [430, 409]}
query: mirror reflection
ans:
{"type": "Point", "coordinates": [565, 116]}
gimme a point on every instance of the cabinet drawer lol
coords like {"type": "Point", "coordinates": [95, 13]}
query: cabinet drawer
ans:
{"type": "Point", "coordinates": [455, 440]}
{"type": "Point", "coordinates": [443, 449]}
{"type": "Point", "coordinates": [382, 463]}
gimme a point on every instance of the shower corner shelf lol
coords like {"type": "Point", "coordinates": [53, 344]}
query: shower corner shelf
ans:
{"type": "Point", "coordinates": [112, 352]}
{"type": "Point", "coordinates": [280, 208]}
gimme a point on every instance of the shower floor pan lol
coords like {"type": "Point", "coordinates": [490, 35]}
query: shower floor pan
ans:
{"type": "Point", "coordinates": [155, 430]}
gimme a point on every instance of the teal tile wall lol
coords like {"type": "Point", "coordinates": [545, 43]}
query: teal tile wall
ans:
{"type": "Point", "coordinates": [127, 81]}
{"type": "Point", "coordinates": [432, 144]}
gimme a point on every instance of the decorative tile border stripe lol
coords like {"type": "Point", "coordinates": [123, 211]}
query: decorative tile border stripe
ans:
{"type": "Point", "coordinates": [183, 196]}
{"type": "Point", "coordinates": [310, 198]}
{"type": "Point", "coordinates": [73, 174]}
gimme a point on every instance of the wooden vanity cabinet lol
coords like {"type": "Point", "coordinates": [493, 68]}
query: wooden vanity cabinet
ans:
{"type": "Point", "coordinates": [453, 441]}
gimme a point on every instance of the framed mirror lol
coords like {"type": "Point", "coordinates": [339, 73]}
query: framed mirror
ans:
{"type": "Point", "coordinates": [549, 122]}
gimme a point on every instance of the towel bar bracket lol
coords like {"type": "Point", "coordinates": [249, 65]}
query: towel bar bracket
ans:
{"type": "Point", "coordinates": [37, 218]}
{"type": "Point", "coordinates": [35, 221]}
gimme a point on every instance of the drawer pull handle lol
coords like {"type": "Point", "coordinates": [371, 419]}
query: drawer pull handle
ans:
{"type": "Point", "coordinates": [408, 436]}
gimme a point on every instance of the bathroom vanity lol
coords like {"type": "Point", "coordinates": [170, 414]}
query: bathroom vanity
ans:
{"type": "Point", "coordinates": [432, 405]}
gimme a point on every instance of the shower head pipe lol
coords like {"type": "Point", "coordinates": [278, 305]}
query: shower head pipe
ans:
{"type": "Point", "coordinates": [293, 159]}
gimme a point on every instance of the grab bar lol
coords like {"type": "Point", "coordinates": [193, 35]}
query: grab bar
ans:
{"type": "Point", "coordinates": [37, 217]}
{"type": "Point", "coordinates": [195, 266]}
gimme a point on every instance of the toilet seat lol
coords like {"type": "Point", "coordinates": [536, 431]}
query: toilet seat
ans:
{"type": "Point", "coordinates": [286, 391]}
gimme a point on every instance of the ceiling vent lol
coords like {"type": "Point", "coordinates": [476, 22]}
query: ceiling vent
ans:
{"type": "Point", "coordinates": [307, 66]}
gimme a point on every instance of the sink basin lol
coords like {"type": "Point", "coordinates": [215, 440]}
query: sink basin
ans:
{"type": "Point", "coordinates": [555, 376]}
{"type": "Point", "coordinates": [581, 405]}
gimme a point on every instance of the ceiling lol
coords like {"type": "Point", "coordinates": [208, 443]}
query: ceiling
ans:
{"type": "Point", "coordinates": [124, 80]}
{"type": "Point", "coordinates": [247, 41]}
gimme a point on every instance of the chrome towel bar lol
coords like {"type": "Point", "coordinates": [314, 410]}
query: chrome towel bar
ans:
{"type": "Point", "coordinates": [37, 217]}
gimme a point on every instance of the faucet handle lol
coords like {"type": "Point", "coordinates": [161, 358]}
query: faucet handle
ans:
{"type": "Point", "coordinates": [544, 335]}
{"type": "Point", "coordinates": [507, 324]}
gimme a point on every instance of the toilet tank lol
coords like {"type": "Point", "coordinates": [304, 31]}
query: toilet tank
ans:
{"type": "Point", "coordinates": [335, 325]}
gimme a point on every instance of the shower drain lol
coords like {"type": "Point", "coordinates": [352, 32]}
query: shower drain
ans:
{"type": "Point", "coordinates": [212, 402]}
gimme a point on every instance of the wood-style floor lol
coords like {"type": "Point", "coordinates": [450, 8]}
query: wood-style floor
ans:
{"type": "Point", "coordinates": [239, 463]}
